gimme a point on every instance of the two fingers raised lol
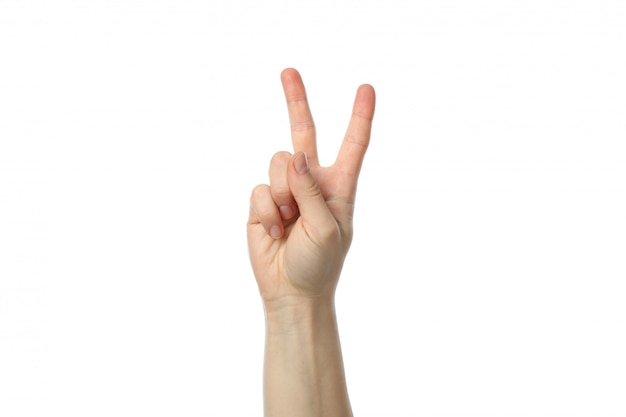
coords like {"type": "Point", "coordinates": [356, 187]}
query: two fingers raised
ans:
{"type": "Point", "coordinates": [275, 205]}
{"type": "Point", "coordinates": [357, 137]}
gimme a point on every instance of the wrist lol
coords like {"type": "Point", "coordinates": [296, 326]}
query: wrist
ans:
{"type": "Point", "coordinates": [299, 315]}
{"type": "Point", "coordinates": [304, 373]}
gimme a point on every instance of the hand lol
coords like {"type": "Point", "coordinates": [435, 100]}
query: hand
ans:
{"type": "Point", "coordinates": [300, 225]}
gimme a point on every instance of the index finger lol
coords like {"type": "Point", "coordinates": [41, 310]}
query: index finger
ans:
{"type": "Point", "coordinates": [357, 139]}
{"type": "Point", "coordinates": [300, 118]}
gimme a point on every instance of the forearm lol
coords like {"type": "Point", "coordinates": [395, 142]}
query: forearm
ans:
{"type": "Point", "coordinates": [304, 373]}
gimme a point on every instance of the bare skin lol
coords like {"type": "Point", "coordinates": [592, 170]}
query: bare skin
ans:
{"type": "Point", "coordinates": [299, 232]}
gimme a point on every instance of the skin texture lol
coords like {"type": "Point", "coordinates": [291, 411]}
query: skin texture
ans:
{"type": "Point", "coordinates": [299, 232]}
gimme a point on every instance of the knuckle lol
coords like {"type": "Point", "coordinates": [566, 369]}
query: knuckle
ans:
{"type": "Point", "coordinates": [262, 204]}
{"type": "Point", "coordinates": [258, 192]}
{"type": "Point", "coordinates": [280, 192]}
{"type": "Point", "coordinates": [363, 114]}
{"type": "Point", "coordinates": [303, 125]}
{"type": "Point", "coordinates": [265, 215]}
{"type": "Point", "coordinates": [356, 140]}
{"type": "Point", "coordinates": [278, 166]}
{"type": "Point", "coordinates": [280, 157]}
{"type": "Point", "coordinates": [312, 190]}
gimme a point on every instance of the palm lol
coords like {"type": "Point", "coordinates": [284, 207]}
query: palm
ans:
{"type": "Point", "coordinates": [296, 264]}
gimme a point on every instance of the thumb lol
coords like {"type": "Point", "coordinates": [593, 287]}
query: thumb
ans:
{"type": "Point", "coordinates": [305, 190]}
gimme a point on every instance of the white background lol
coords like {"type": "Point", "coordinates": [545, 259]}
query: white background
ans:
{"type": "Point", "coordinates": [487, 275]}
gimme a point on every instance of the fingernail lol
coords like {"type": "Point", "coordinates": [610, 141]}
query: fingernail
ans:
{"type": "Point", "coordinates": [286, 212]}
{"type": "Point", "coordinates": [301, 163]}
{"type": "Point", "coordinates": [275, 231]}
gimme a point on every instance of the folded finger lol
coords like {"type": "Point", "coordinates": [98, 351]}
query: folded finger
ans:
{"type": "Point", "coordinates": [263, 208]}
{"type": "Point", "coordinates": [279, 187]}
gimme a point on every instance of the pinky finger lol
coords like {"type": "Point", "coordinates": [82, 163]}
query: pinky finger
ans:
{"type": "Point", "coordinates": [262, 207]}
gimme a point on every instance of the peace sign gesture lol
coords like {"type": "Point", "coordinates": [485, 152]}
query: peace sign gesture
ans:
{"type": "Point", "coordinates": [300, 225]}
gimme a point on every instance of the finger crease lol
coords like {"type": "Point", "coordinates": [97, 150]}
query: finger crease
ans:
{"type": "Point", "coordinates": [353, 139]}
{"type": "Point", "coordinates": [302, 126]}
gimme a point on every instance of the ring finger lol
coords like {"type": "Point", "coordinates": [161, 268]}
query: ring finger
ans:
{"type": "Point", "coordinates": [279, 186]}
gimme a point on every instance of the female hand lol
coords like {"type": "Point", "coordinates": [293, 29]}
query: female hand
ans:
{"type": "Point", "coordinates": [300, 225]}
